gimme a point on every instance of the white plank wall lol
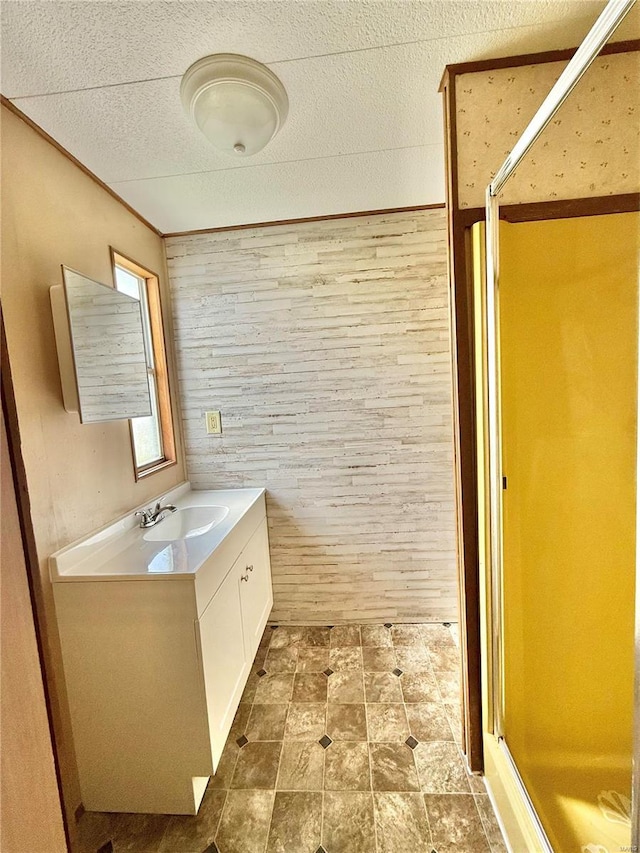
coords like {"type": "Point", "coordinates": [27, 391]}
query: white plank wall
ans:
{"type": "Point", "coordinates": [325, 345]}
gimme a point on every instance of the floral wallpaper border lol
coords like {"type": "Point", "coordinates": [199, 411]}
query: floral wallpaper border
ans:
{"type": "Point", "coordinates": [591, 148]}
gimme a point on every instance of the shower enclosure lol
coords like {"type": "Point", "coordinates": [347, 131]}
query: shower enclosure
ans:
{"type": "Point", "coordinates": [556, 330]}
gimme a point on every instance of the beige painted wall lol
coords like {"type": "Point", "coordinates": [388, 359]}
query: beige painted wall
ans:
{"type": "Point", "coordinates": [591, 148]}
{"type": "Point", "coordinates": [80, 476]}
{"type": "Point", "coordinates": [326, 347]}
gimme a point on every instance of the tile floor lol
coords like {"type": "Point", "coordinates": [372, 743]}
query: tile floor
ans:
{"type": "Point", "coordinates": [346, 741]}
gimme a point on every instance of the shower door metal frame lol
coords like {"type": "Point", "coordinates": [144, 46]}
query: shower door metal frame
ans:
{"type": "Point", "coordinates": [584, 56]}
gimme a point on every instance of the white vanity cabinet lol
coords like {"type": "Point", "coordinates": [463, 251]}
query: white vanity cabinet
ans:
{"type": "Point", "coordinates": [229, 633]}
{"type": "Point", "coordinates": [256, 598]}
{"type": "Point", "coordinates": [155, 666]}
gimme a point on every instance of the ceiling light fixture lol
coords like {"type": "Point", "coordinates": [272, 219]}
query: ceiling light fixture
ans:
{"type": "Point", "coordinates": [238, 103]}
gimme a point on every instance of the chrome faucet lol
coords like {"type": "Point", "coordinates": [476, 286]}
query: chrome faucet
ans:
{"type": "Point", "coordinates": [149, 517]}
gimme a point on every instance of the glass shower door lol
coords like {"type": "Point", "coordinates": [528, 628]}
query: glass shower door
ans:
{"type": "Point", "coordinates": [568, 350]}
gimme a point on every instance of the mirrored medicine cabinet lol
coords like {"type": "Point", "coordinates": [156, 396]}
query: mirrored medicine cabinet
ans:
{"type": "Point", "coordinates": [101, 350]}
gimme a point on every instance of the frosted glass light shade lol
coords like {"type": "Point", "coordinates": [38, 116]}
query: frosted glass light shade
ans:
{"type": "Point", "coordinates": [238, 103]}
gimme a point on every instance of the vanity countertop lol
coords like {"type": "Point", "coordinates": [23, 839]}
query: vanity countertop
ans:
{"type": "Point", "coordinates": [120, 550]}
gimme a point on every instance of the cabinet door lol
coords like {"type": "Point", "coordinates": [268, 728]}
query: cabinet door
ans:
{"type": "Point", "coordinates": [256, 595]}
{"type": "Point", "coordinates": [225, 664]}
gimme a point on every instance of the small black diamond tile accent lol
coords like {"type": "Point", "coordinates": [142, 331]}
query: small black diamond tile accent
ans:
{"type": "Point", "coordinates": [325, 741]}
{"type": "Point", "coordinates": [447, 624]}
{"type": "Point", "coordinates": [322, 850]}
{"type": "Point", "coordinates": [213, 849]}
{"type": "Point", "coordinates": [397, 672]}
{"type": "Point", "coordinates": [262, 672]}
{"type": "Point", "coordinates": [387, 625]}
{"type": "Point", "coordinates": [242, 740]}
{"type": "Point", "coordinates": [411, 741]}
{"type": "Point", "coordinates": [106, 848]}
{"type": "Point", "coordinates": [328, 672]}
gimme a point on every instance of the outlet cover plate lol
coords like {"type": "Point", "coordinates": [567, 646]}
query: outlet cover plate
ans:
{"type": "Point", "coordinates": [214, 423]}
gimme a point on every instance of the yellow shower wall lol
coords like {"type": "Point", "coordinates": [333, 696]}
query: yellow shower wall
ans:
{"type": "Point", "coordinates": [569, 339]}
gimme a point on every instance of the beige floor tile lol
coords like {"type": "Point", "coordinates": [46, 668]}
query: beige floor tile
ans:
{"type": "Point", "coordinates": [346, 687]}
{"type": "Point", "coordinates": [274, 689]}
{"type": "Point", "coordinates": [490, 824]}
{"type": "Point", "coordinates": [440, 768]}
{"type": "Point", "coordinates": [261, 656]}
{"type": "Point", "coordinates": [281, 660]}
{"type": "Point", "coordinates": [306, 721]}
{"type": "Point", "coordinates": [187, 833]}
{"type": "Point", "coordinates": [401, 823]}
{"type": "Point", "coordinates": [310, 687]}
{"type": "Point", "coordinates": [312, 660]}
{"type": "Point", "coordinates": [393, 767]}
{"type": "Point", "coordinates": [348, 822]}
{"type": "Point", "coordinates": [347, 767]}
{"type": "Point", "coordinates": [346, 721]}
{"type": "Point", "coordinates": [345, 635]}
{"type": "Point", "coordinates": [378, 659]}
{"type": "Point", "coordinates": [455, 823]}
{"type": "Point", "coordinates": [315, 637]}
{"type": "Point", "coordinates": [454, 716]}
{"type": "Point", "coordinates": [226, 766]}
{"type": "Point", "coordinates": [412, 659]}
{"type": "Point", "coordinates": [435, 635]}
{"type": "Point", "coordinates": [240, 721]}
{"type": "Point", "coordinates": [257, 766]}
{"type": "Point", "coordinates": [387, 723]}
{"type": "Point", "coordinates": [428, 721]}
{"type": "Point", "coordinates": [139, 833]}
{"type": "Point", "coordinates": [382, 687]}
{"type": "Point", "coordinates": [94, 830]}
{"type": "Point", "coordinates": [266, 722]}
{"type": "Point", "coordinates": [376, 635]}
{"type": "Point", "coordinates": [301, 767]}
{"type": "Point", "coordinates": [476, 783]}
{"type": "Point", "coordinates": [406, 635]}
{"type": "Point", "coordinates": [445, 659]}
{"type": "Point", "coordinates": [449, 686]}
{"type": "Point", "coordinates": [286, 635]}
{"type": "Point", "coordinates": [239, 798]}
{"type": "Point", "coordinates": [249, 692]}
{"type": "Point", "coordinates": [296, 822]}
{"type": "Point", "coordinates": [244, 825]}
{"type": "Point", "coordinates": [345, 657]}
{"type": "Point", "coordinates": [419, 687]}
{"type": "Point", "coordinates": [265, 639]}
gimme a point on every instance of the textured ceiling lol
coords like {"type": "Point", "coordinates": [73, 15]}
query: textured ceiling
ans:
{"type": "Point", "coordinates": [365, 120]}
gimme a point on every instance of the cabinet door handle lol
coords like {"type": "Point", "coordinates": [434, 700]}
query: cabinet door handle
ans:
{"type": "Point", "coordinates": [244, 577]}
{"type": "Point", "coordinates": [250, 568]}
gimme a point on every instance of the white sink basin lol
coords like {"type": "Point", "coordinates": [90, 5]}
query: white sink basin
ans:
{"type": "Point", "coordinates": [186, 523]}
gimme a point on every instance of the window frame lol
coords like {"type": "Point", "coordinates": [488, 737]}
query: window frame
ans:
{"type": "Point", "coordinates": [160, 365]}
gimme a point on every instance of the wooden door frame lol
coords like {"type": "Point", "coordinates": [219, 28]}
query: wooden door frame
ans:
{"type": "Point", "coordinates": [459, 222]}
{"type": "Point", "coordinates": [19, 476]}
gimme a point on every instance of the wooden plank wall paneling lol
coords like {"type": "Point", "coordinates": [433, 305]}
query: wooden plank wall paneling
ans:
{"type": "Point", "coordinates": [326, 347]}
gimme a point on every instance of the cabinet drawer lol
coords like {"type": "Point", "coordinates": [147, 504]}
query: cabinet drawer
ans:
{"type": "Point", "coordinates": [213, 572]}
{"type": "Point", "coordinates": [256, 595]}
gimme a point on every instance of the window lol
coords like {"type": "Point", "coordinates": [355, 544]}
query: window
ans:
{"type": "Point", "coordinates": [152, 437]}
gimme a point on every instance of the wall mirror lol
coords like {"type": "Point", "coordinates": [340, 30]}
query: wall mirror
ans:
{"type": "Point", "coordinates": [101, 350]}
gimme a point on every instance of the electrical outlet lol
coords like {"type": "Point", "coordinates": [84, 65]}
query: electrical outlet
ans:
{"type": "Point", "coordinates": [214, 423]}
